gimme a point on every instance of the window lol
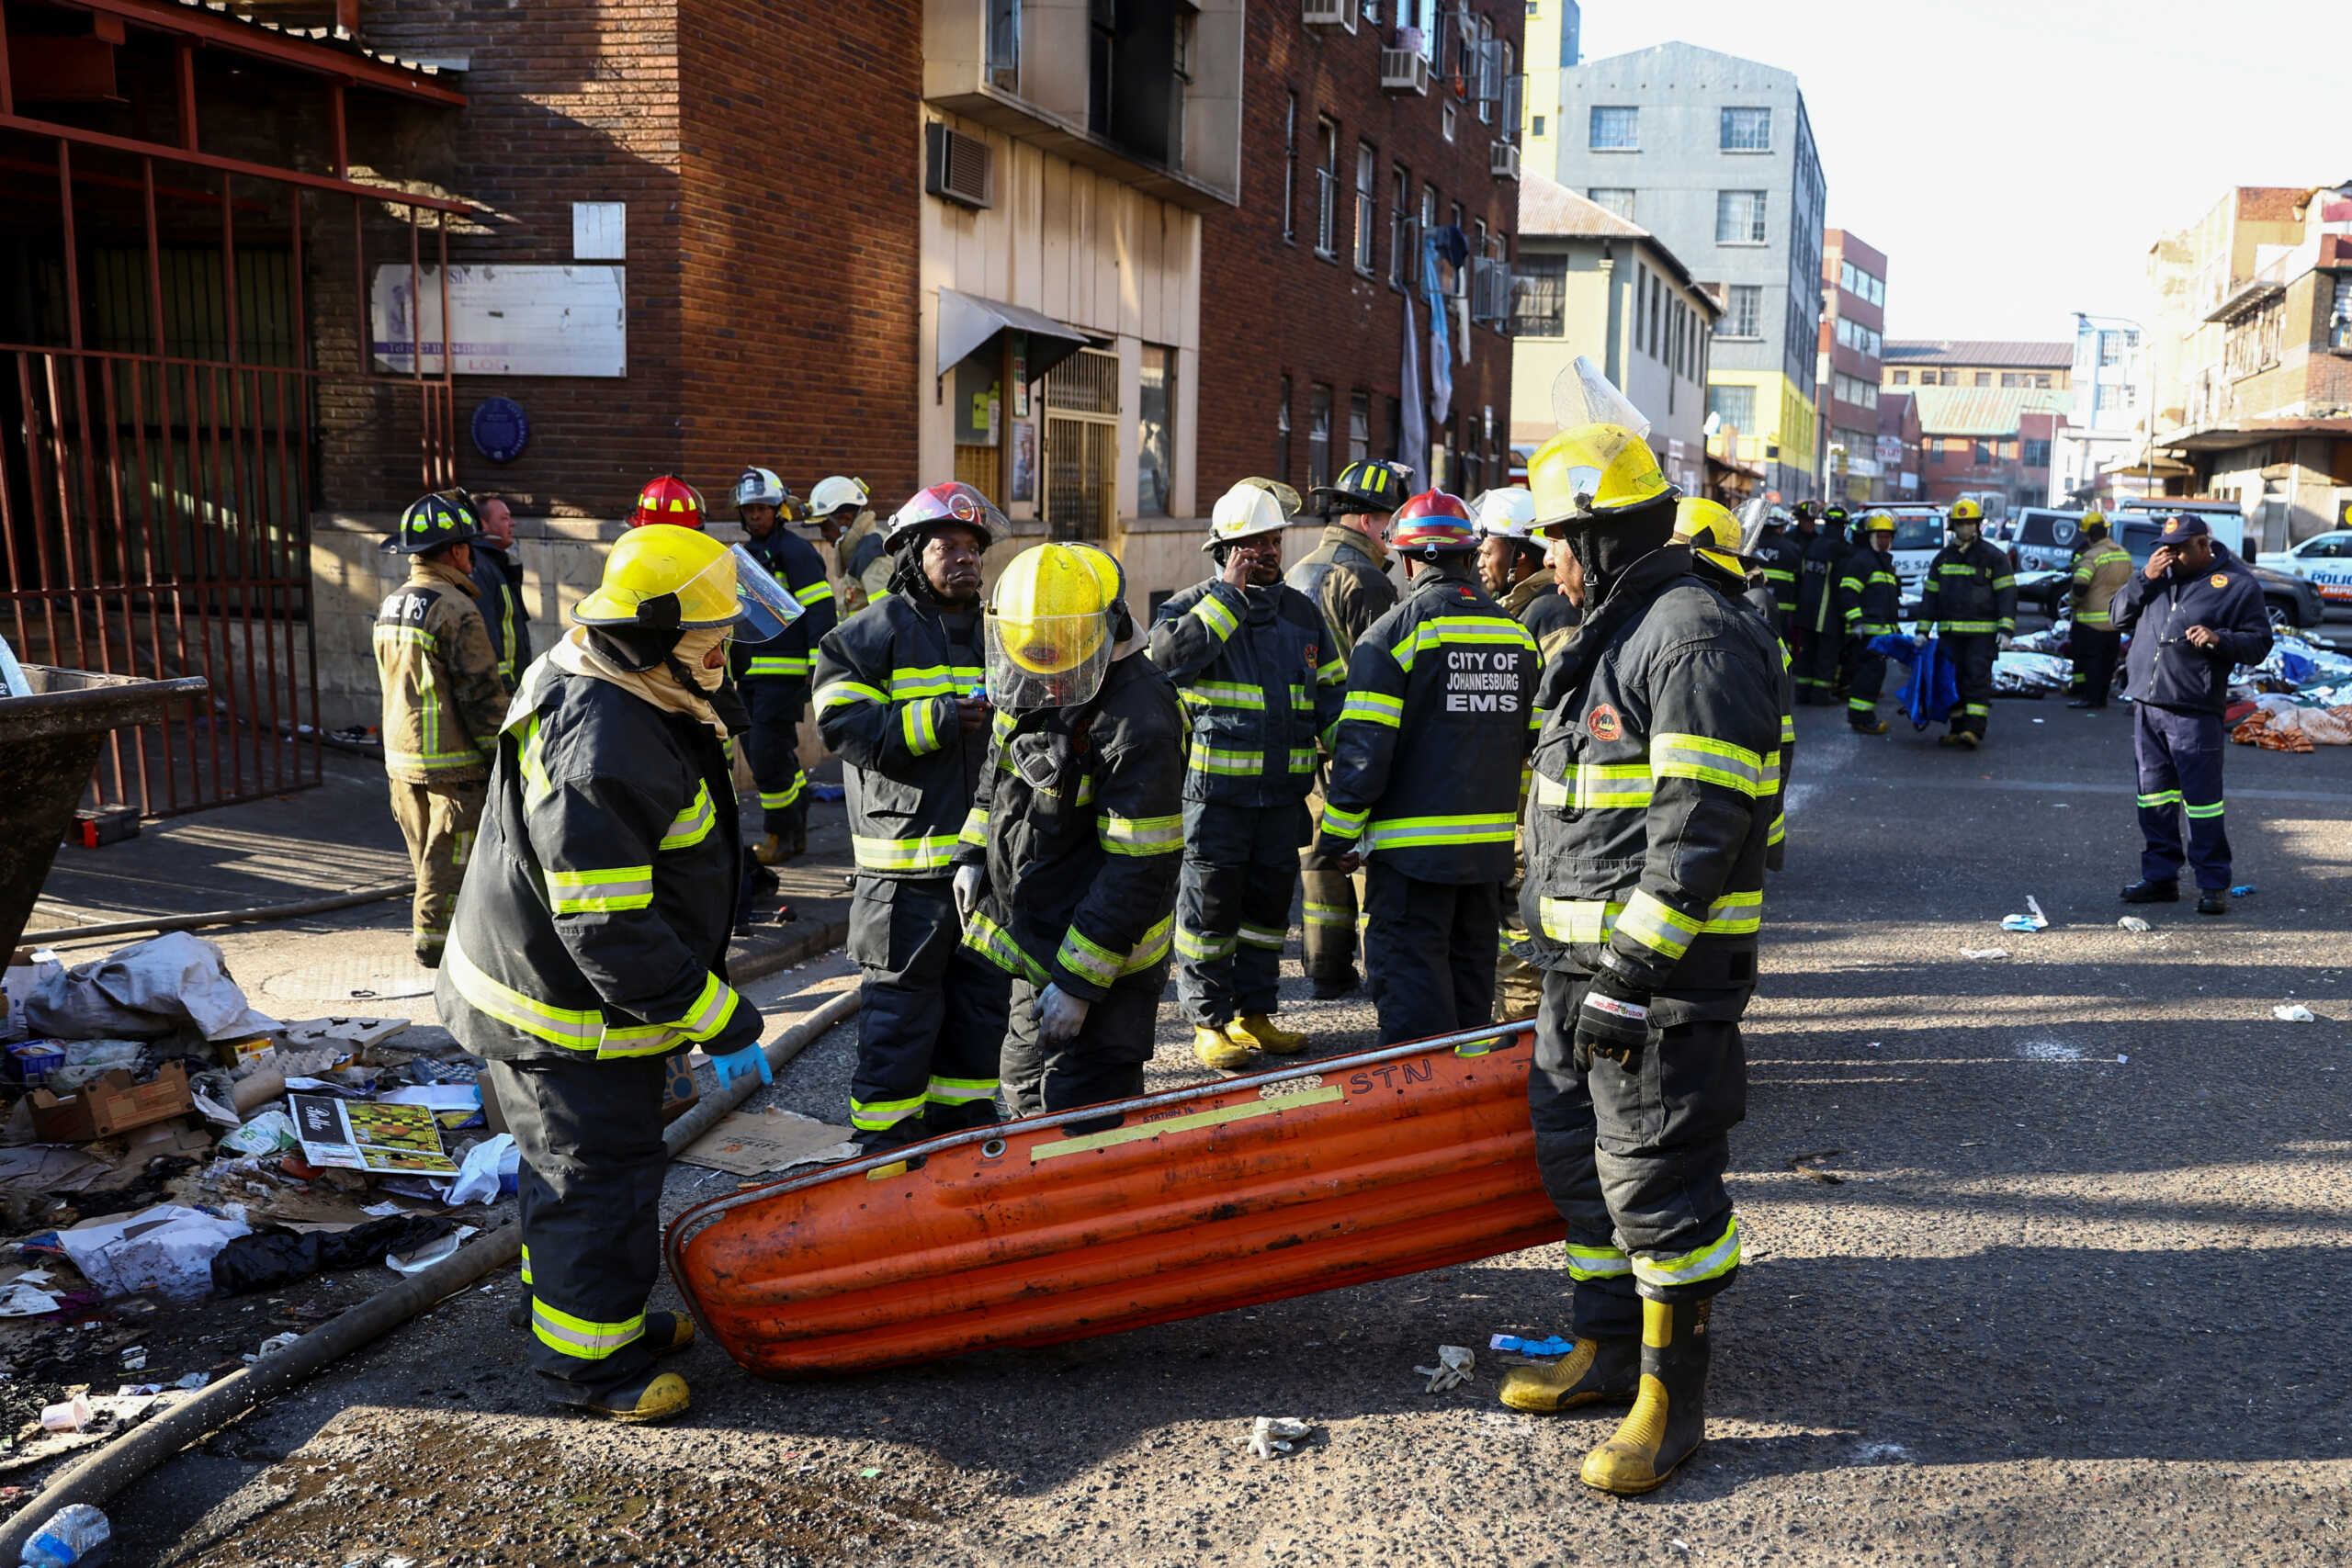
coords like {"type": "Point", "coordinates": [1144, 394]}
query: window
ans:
{"type": "Point", "coordinates": [1428, 209]}
{"type": "Point", "coordinates": [1326, 187]}
{"type": "Point", "coordinates": [1367, 178]}
{"type": "Point", "coordinates": [2011, 379]}
{"type": "Point", "coordinates": [1857, 391]}
{"type": "Point", "coordinates": [1984, 452]}
{"type": "Point", "coordinates": [2339, 320]}
{"type": "Point", "coordinates": [1461, 274]}
{"type": "Point", "coordinates": [1318, 436]}
{"type": "Point", "coordinates": [1480, 67]}
{"type": "Point", "coordinates": [1155, 432]}
{"type": "Point", "coordinates": [1743, 312]}
{"type": "Point", "coordinates": [1618, 199]}
{"type": "Point", "coordinates": [1004, 44]}
{"type": "Point", "coordinates": [1984, 377]}
{"type": "Point", "coordinates": [2113, 347]}
{"type": "Point", "coordinates": [1281, 433]}
{"type": "Point", "coordinates": [1359, 426]}
{"type": "Point", "coordinates": [1536, 125]}
{"type": "Point", "coordinates": [1948, 377]}
{"type": "Point", "coordinates": [2111, 396]}
{"type": "Point", "coordinates": [1902, 378]}
{"type": "Point", "coordinates": [1746, 130]}
{"type": "Point", "coordinates": [2037, 454]}
{"type": "Point", "coordinates": [2042, 381]}
{"type": "Point", "coordinates": [1541, 308]}
{"type": "Point", "coordinates": [1400, 221]}
{"type": "Point", "coordinates": [1739, 216]}
{"type": "Point", "coordinates": [1446, 118]}
{"type": "Point", "coordinates": [1290, 172]}
{"type": "Point", "coordinates": [1616, 129]}
{"type": "Point", "coordinates": [1733, 406]}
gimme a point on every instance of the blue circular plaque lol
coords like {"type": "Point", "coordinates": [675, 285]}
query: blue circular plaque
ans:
{"type": "Point", "coordinates": [500, 429]}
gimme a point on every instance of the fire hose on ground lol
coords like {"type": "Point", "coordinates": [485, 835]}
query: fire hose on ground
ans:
{"type": "Point", "coordinates": [253, 915]}
{"type": "Point", "coordinates": [114, 1467]}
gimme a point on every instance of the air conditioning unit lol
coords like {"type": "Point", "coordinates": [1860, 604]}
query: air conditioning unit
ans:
{"type": "Point", "coordinates": [1338, 16]}
{"type": "Point", "coordinates": [1502, 161]}
{"type": "Point", "coordinates": [1404, 71]}
{"type": "Point", "coordinates": [958, 168]}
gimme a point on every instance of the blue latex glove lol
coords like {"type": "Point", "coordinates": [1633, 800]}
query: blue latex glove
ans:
{"type": "Point", "coordinates": [743, 1064]}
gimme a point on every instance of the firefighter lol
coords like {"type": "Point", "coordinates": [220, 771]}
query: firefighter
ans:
{"type": "Point", "coordinates": [667, 498]}
{"type": "Point", "coordinates": [1253, 664]}
{"type": "Point", "coordinates": [1713, 535]}
{"type": "Point", "coordinates": [2101, 568]}
{"type": "Point", "coordinates": [1067, 872]}
{"type": "Point", "coordinates": [443, 703]}
{"type": "Point", "coordinates": [499, 576]}
{"type": "Point", "coordinates": [1516, 566]}
{"type": "Point", "coordinates": [1347, 576]}
{"type": "Point", "coordinates": [1780, 548]}
{"type": "Point", "coordinates": [1822, 642]}
{"type": "Point", "coordinates": [1511, 563]}
{"type": "Point", "coordinates": [1425, 774]}
{"type": "Point", "coordinates": [1870, 598]}
{"type": "Point", "coordinates": [774, 677]}
{"type": "Point", "coordinates": [839, 510]}
{"type": "Point", "coordinates": [899, 697]}
{"type": "Point", "coordinates": [591, 943]}
{"type": "Point", "coordinates": [1646, 843]}
{"type": "Point", "coordinates": [1970, 600]}
{"type": "Point", "coordinates": [2195, 613]}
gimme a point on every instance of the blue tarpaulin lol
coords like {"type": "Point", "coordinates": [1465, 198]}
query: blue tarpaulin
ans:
{"type": "Point", "coordinates": [1933, 690]}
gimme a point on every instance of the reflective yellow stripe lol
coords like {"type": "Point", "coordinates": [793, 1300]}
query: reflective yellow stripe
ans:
{"type": "Point", "coordinates": [1705, 759]}
{"type": "Point", "coordinates": [881, 1115]}
{"type": "Point", "coordinates": [692, 825]}
{"type": "Point", "coordinates": [1597, 786]}
{"type": "Point", "coordinates": [1224, 695]}
{"type": "Point", "coordinates": [1597, 1262]}
{"type": "Point", "coordinates": [1218, 760]}
{"type": "Point", "coordinates": [1412, 832]}
{"type": "Point", "coordinates": [993, 943]}
{"type": "Point", "coordinates": [1343, 824]}
{"type": "Point", "coordinates": [1718, 1257]}
{"type": "Point", "coordinates": [1302, 760]}
{"type": "Point", "coordinates": [975, 828]}
{"type": "Point", "coordinates": [1140, 835]}
{"type": "Point", "coordinates": [834, 694]}
{"type": "Point", "coordinates": [712, 1007]}
{"type": "Point", "coordinates": [1082, 957]}
{"type": "Point", "coordinates": [1211, 614]}
{"type": "Point", "coordinates": [1263, 937]}
{"type": "Point", "coordinates": [934, 680]}
{"type": "Point", "coordinates": [574, 1029]}
{"type": "Point", "coordinates": [1461, 631]}
{"type": "Point", "coordinates": [1595, 920]}
{"type": "Point", "coordinates": [821, 589]}
{"type": "Point", "coordinates": [600, 892]}
{"type": "Point", "coordinates": [581, 1336]}
{"type": "Point", "coordinates": [2200, 811]}
{"type": "Point", "coordinates": [929, 852]}
{"type": "Point", "coordinates": [1192, 945]}
{"type": "Point", "coordinates": [1371, 707]}
{"type": "Point", "coordinates": [776, 800]}
{"type": "Point", "coordinates": [918, 721]}
{"type": "Point", "coordinates": [1658, 925]}
{"type": "Point", "coordinates": [386, 631]}
{"type": "Point", "coordinates": [782, 665]}
{"type": "Point", "coordinates": [960, 1091]}
{"type": "Point", "coordinates": [1329, 915]}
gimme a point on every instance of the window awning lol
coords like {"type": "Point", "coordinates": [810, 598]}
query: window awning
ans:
{"type": "Point", "coordinates": [968, 323]}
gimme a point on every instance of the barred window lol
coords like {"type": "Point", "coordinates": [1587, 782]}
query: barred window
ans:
{"type": "Point", "coordinates": [1541, 308]}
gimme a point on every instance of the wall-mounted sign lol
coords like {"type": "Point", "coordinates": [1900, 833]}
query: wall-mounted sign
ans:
{"type": "Point", "coordinates": [500, 429]}
{"type": "Point", "coordinates": [509, 321]}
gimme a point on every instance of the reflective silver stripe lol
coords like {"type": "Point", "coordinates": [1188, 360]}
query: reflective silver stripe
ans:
{"type": "Point", "coordinates": [1717, 1258]}
{"type": "Point", "coordinates": [1140, 835]}
{"type": "Point", "coordinates": [692, 825]}
{"type": "Point", "coordinates": [1193, 944]}
{"type": "Point", "coordinates": [586, 892]}
{"type": "Point", "coordinates": [1263, 936]}
{"type": "Point", "coordinates": [581, 1336]}
{"type": "Point", "coordinates": [1658, 925]}
{"type": "Point", "coordinates": [1703, 757]}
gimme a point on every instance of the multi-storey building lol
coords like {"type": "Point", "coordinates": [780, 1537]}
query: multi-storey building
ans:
{"type": "Point", "coordinates": [2107, 420]}
{"type": "Point", "coordinates": [1714, 155]}
{"type": "Point", "coordinates": [2251, 357]}
{"type": "Point", "coordinates": [1908, 363]}
{"type": "Point", "coordinates": [1986, 442]}
{"type": "Point", "coordinates": [1555, 43]}
{"type": "Point", "coordinates": [1853, 323]}
{"type": "Point", "coordinates": [1592, 283]}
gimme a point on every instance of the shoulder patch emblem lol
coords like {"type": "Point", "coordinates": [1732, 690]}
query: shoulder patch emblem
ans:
{"type": "Point", "coordinates": [2219, 581]}
{"type": "Point", "coordinates": [1311, 663]}
{"type": "Point", "coordinates": [1604, 722]}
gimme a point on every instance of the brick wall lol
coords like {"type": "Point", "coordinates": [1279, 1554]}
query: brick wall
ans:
{"type": "Point", "coordinates": [798, 242]}
{"type": "Point", "coordinates": [1272, 307]}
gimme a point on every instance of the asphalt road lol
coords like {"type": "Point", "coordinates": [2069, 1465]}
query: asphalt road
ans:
{"type": "Point", "coordinates": [2046, 1267]}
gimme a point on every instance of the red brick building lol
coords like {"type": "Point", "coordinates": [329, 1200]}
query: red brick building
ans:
{"type": "Point", "coordinates": [1986, 442]}
{"type": "Point", "coordinates": [1303, 285]}
{"type": "Point", "coordinates": [1853, 323]}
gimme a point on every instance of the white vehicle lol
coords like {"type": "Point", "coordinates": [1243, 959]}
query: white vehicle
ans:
{"type": "Point", "coordinates": [2140, 517]}
{"type": "Point", "coordinates": [2325, 563]}
{"type": "Point", "coordinates": [1918, 535]}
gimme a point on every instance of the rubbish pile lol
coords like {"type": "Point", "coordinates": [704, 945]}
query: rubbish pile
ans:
{"type": "Point", "coordinates": [168, 1156]}
{"type": "Point", "coordinates": [2298, 698]}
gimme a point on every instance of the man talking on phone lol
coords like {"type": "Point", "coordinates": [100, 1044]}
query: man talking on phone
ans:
{"type": "Point", "coordinates": [2194, 612]}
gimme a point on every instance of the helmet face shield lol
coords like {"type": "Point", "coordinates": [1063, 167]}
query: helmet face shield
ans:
{"type": "Point", "coordinates": [766, 605]}
{"type": "Point", "coordinates": [953, 502]}
{"type": "Point", "coordinates": [1046, 661]}
{"type": "Point", "coordinates": [1581, 395]}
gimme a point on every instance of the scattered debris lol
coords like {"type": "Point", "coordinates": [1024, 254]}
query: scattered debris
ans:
{"type": "Point", "coordinates": [1270, 1435]}
{"type": "Point", "coordinates": [1984, 954]}
{"type": "Point", "coordinates": [2244, 890]}
{"type": "Point", "coordinates": [754, 1143]}
{"type": "Point", "coordinates": [2049, 1051]}
{"type": "Point", "coordinates": [2298, 1013]}
{"type": "Point", "coordinates": [2133, 923]}
{"type": "Point", "coordinates": [1554, 1346]}
{"type": "Point", "coordinates": [70, 1536]}
{"type": "Point", "coordinates": [1455, 1365]}
{"type": "Point", "coordinates": [68, 1415]}
{"type": "Point", "coordinates": [271, 1346]}
{"type": "Point", "coordinates": [1802, 1165]}
{"type": "Point", "coordinates": [168, 1248]}
{"type": "Point", "coordinates": [2033, 921]}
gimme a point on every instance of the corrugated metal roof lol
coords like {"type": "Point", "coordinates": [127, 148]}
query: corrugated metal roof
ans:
{"type": "Point", "coordinates": [1547, 207]}
{"type": "Point", "coordinates": [1979, 351]}
{"type": "Point", "coordinates": [1982, 411]}
{"type": "Point", "coordinates": [336, 39]}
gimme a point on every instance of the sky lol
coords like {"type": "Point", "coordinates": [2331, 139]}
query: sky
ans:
{"type": "Point", "coordinates": [2016, 159]}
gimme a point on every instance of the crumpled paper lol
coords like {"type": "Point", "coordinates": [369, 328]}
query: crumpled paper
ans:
{"type": "Point", "coordinates": [167, 1248]}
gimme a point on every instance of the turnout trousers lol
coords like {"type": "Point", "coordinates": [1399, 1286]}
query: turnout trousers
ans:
{"type": "Point", "coordinates": [1331, 897]}
{"type": "Point", "coordinates": [2096, 650]}
{"type": "Point", "coordinates": [1972, 662]}
{"type": "Point", "coordinates": [774, 750]}
{"type": "Point", "coordinates": [1634, 1159]}
{"type": "Point", "coordinates": [438, 821]}
{"type": "Point", "coordinates": [1866, 677]}
{"type": "Point", "coordinates": [1102, 1062]}
{"type": "Point", "coordinates": [933, 1017]}
{"type": "Point", "coordinates": [2181, 778]}
{"type": "Point", "coordinates": [1233, 906]}
{"type": "Point", "coordinates": [1429, 949]}
{"type": "Point", "coordinates": [1819, 657]}
{"type": "Point", "coordinates": [589, 1134]}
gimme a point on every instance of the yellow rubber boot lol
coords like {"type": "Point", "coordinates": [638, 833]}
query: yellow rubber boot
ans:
{"type": "Point", "coordinates": [1217, 1049]}
{"type": "Point", "coordinates": [1595, 1371]}
{"type": "Point", "coordinates": [772, 850]}
{"type": "Point", "coordinates": [1669, 1413]}
{"type": "Point", "coordinates": [656, 1398]}
{"type": "Point", "coordinates": [669, 1332]}
{"type": "Point", "coordinates": [1256, 1028]}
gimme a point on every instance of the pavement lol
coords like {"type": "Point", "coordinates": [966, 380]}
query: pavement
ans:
{"type": "Point", "coordinates": [2045, 1266]}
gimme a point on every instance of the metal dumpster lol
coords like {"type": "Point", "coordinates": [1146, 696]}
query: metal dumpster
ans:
{"type": "Point", "coordinates": [49, 744]}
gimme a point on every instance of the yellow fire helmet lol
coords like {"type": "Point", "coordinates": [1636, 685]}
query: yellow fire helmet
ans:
{"type": "Point", "coordinates": [2094, 523]}
{"type": "Point", "coordinates": [1874, 523]}
{"type": "Point", "coordinates": [1965, 512]}
{"type": "Point", "coordinates": [1601, 462]}
{"type": "Point", "coordinates": [665, 575]}
{"type": "Point", "coordinates": [1051, 626]}
{"type": "Point", "coordinates": [1711, 532]}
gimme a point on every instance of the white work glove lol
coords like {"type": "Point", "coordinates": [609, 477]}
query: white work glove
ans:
{"type": "Point", "coordinates": [1455, 1365]}
{"type": "Point", "coordinates": [1270, 1435]}
{"type": "Point", "coordinates": [1059, 1015]}
{"type": "Point", "coordinates": [1920, 642]}
{"type": "Point", "coordinates": [970, 880]}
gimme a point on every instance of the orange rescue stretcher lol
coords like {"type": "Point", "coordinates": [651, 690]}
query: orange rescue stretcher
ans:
{"type": "Point", "coordinates": [1324, 1173]}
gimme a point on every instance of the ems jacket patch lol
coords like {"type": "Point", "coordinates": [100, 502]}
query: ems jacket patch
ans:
{"type": "Point", "coordinates": [1604, 722]}
{"type": "Point", "coordinates": [2218, 581]}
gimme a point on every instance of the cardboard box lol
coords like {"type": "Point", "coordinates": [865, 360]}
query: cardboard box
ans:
{"type": "Point", "coordinates": [679, 1094]}
{"type": "Point", "coordinates": [113, 1104]}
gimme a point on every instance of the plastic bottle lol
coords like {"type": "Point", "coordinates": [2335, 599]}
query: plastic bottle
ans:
{"type": "Point", "coordinates": [71, 1534]}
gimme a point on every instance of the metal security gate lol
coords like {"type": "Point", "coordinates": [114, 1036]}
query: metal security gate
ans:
{"type": "Point", "coordinates": [1081, 488]}
{"type": "Point", "coordinates": [160, 400]}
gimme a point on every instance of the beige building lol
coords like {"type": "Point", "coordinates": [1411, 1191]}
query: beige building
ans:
{"type": "Point", "coordinates": [1594, 284]}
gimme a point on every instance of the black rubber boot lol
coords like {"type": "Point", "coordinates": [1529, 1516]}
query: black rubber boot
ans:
{"type": "Point", "coordinates": [1669, 1413]}
{"type": "Point", "coordinates": [2147, 892]}
{"type": "Point", "coordinates": [2212, 901]}
{"type": "Point", "coordinates": [1595, 1371]}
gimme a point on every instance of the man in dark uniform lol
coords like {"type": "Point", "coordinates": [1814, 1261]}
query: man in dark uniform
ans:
{"type": "Point", "coordinates": [773, 676]}
{"type": "Point", "coordinates": [1780, 548]}
{"type": "Point", "coordinates": [2194, 612]}
{"type": "Point", "coordinates": [1822, 644]}
{"type": "Point", "coordinates": [1870, 597]}
{"type": "Point", "coordinates": [1969, 600]}
{"type": "Point", "coordinates": [500, 577]}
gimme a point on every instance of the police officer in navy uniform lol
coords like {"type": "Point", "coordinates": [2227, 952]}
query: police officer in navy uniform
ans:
{"type": "Point", "coordinates": [2194, 611]}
